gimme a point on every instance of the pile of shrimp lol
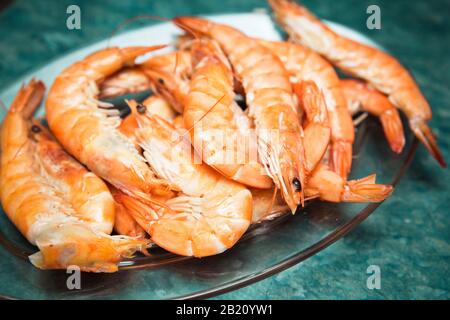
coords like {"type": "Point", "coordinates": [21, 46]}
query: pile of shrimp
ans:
{"type": "Point", "coordinates": [237, 130]}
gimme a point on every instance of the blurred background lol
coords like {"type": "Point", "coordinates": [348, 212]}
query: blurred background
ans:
{"type": "Point", "coordinates": [408, 236]}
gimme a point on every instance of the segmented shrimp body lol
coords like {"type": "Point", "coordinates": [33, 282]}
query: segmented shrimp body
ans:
{"type": "Point", "coordinates": [361, 97]}
{"type": "Point", "coordinates": [59, 206]}
{"type": "Point", "coordinates": [270, 102]}
{"type": "Point", "coordinates": [221, 132]}
{"type": "Point", "coordinates": [381, 70]}
{"type": "Point", "coordinates": [211, 212]}
{"type": "Point", "coordinates": [88, 128]}
{"type": "Point", "coordinates": [303, 64]}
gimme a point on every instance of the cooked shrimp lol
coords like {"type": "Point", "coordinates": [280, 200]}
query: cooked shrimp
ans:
{"type": "Point", "coordinates": [88, 128]}
{"type": "Point", "coordinates": [221, 132]}
{"type": "Point", "coordinates": [169, 75]}
{"type": "Point", "coordinates": [125, 81]}
{"type": "Point", "coordinates": [329, 186]}
{"type": "Point", "coordinates": [270, 102]}
{"type": "Point", "coordinates": [303, 64]}
{"type": "Point", "coordinates": [378, 68]}
{"type": "Point", "coordinates": [360, 96]}
{"type": "Point", "coordinates": [59, 206]}
{"type": "Point", "coordinates": [211, 213]}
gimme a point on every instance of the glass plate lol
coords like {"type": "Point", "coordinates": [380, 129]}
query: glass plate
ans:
{"type": "Point", "coordinates": [267, 248]}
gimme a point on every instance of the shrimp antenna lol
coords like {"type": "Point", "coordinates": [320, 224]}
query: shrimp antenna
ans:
{"type": "Point", "coordinates": [147, 17]}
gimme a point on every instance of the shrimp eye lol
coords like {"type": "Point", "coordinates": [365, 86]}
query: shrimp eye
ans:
{"type": "Point", "coordinates": [161, 81]}
{"type": "Point", "coordinates": [297, 184]}
{"type": "Point", "coordinates": [35, 128]}
{"type": "Point", "coordinates": [140, 108]}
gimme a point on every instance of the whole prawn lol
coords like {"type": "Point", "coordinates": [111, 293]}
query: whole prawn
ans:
{"type": "Point", "coordinates": [378, 68]}
{"type": "Point", "coordinates": [269, 97]}
{"type": "Point", "coordinates": [59, 206]}
{"type": "Point", "coordinates": [88, 128]}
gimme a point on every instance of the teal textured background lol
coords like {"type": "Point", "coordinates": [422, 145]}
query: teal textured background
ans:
{"type": "Point", "coordinates": [408, 236]}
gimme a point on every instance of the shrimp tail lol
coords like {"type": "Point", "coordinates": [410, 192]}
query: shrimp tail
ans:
{"type": "Point", "coordinates": [424, 133]}
{"type": "Point", "coordinates": [366, 190]}
{"type": "Point", "coordinates": [286, 7]}
{"type": "Point", "coordinates": [62, 246]}
{"type": "Point", "coordinates": [29, 98]}
{"type": "Point", "coordinates": [393, 129]}
{"type": "Point", "coordinates": [341, 157]}
{"type": "Point", "coordinates": [193, 25]}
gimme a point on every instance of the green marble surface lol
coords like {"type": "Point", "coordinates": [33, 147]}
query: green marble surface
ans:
{"type": "Point", "coordinates": [408, 237]}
